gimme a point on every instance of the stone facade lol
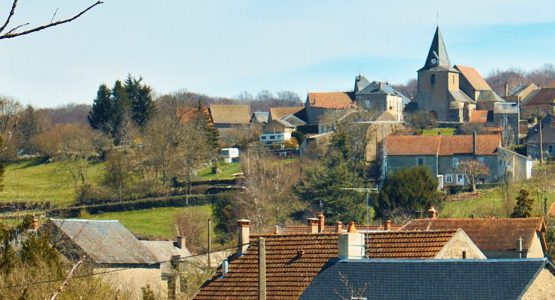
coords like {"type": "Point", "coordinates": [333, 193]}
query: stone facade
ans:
{"type": "Point", "coordinates": [131, 279]}
{"type": "Point", "coordinates": [460, 246]}
{"type": "Point", "coordinates": [542, 288]}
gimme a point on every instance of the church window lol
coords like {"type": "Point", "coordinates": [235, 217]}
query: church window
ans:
{"type": "Point", "coordinates": [453, 79]}
{"type": "Point", "coordinates": [433, 79]}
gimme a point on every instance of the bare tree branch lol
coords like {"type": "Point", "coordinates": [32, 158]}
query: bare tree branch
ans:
{"type": "Point", "coordinates": [69, 276]}
{"type": "Point", "coordinates": [12, 34]}
{"type": "Point", "coordinates": [12, 12]}
{"type": "Point", "coordinates": [16, 28]}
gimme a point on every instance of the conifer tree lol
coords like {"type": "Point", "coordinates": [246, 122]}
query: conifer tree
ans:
{"type": "Point", "coordinates": [140, 101]}
{"type": "Point", "coordinates": [120, 113]}
{"type": "Point", "coordinates": [523, 206]}
{"type": "Point", "coordinates": [100, 116]}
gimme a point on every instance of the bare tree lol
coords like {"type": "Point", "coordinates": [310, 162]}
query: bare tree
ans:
{"type": "Point", "coordinates": [352, 291]}
{"type": "Point", "coordinates": [15, 31]}
{"type": "Point", "coordinates": [472, 169]}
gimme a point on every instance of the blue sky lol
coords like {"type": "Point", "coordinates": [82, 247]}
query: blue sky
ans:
{"type": "Point", "coordinates": [222, 48]}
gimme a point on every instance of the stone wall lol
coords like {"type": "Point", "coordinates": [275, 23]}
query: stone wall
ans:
{"type": "Point", "coordinates": [459, 243]}
{"type": "Point", "coordinates": [542, 288]}
{"type": "Point", "coordinates": [130, 280]}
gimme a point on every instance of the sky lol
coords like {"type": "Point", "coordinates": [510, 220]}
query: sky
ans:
{"type": "Point", "coordinates": [222, 48]}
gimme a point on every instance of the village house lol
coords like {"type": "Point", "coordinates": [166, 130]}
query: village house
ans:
{"type": "Point", "coordinates": [113, 251]}
{"type": "Point", "coordinates": [292, 260]}
{"type": "Point", "coordinates": [277, 113]}
{"type": "Point", "coordinates": [520, 92]}
{"type": "Point", "coordinates": [539, 103]}
{"type": "Point", "coordinates": [379, 97]}
{"type": "Point", "coordinates": [278, 131]}
{"type": "Point", "coordinates": [496, 238]}
{"type": "Point", "coordinates": [324, 109]}
{"type": "Point", "coordinates": [442, 155]}
{"type": "Point", "coordinates": [547, 137]}
{"type": "Point", "coordinates": [259, 117]}
{"type": "Point", "coordinates": [434, 279]}
{"type": "Point", "coordinates": [228, 119]}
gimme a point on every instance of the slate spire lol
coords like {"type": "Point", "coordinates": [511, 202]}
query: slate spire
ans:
{"type": "Point", "coordinates": [437, 55]}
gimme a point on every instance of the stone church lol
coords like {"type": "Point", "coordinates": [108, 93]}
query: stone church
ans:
{"type": "Point", "coordinates": [453, 94]}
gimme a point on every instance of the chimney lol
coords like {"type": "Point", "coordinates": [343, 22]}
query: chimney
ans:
{"type": "Point", "coordinates": [181, 242]}
{"type": "Point", "coordinates": [277, 230]}
{"type": "Point", "coordinates": [312, 225]}
{"type": "Point", "coordinates": [432, 213]}
{"type": "Point", "coordinates": [35, 223]}
{"type": "Point", "coordinates": [321, 222]}
{"type": "Point", "coordinates": [506, 89]}
{"type": "Point", "coordinates": [338, 226]}
{"type": "Point", "coordinates": [243, 238]}
{"type": "Point", "coordinates": [225, 268]}
{"type": "Point", "coordinates": [262, 268]}
{"type": "Point", "coordinates": [387, 225]}
{"type": "Point", "coordinates": [351, 244]}
{"type": "Point", "coordinates": [519, 249]}
{"type": "Point", "coordinates": [474, 143]}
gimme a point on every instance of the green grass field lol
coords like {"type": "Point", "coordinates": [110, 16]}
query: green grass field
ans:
{"type": "Point", "coordinates": [434, 131]}
{"type": "Point", "coordinates": [154, 222]}
{"type": "Point", "coordinates": [226, 172]}
{"type": "Point", "coordinates": [40, 181]}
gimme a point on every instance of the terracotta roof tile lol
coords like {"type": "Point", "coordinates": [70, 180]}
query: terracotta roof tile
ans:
{"type": "Point", "coordinates": [289, 273]}
{"type": "Point", "coordinates": [489, 234]}
{"type": "Point", "coordinates": [441, 145]}
{"type": "Point", "coordinates": [230, 114]}
{"type": "Point", "coordinates": [337, 100]}
{"type": "Point", "coordinates": [542, 96]}
{"type": "Point", "coordinates": [295, 229]}
{"type": "Point", "coordinates": [279, 112]}
{"type": "Point", "coordinates": [473, 77]}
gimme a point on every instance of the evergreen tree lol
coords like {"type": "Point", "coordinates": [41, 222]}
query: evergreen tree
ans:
{"type": "Point", "coordinates": [203, 123]}
{"type": "Point", "coordinates": [324, 189]}
{"type": "Point", "coordinates": [140, 100]}
{"type": "Point", "coordinates": [407, 192]}
{"type": "Point", "coordinates": [120, 114]}
{"type": "Point", "coordinates": [523, 206]}
{"type": "Point", "coordinates": [100, 116]}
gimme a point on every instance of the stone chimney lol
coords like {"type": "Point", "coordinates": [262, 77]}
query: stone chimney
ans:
{"type": "Point", "coordinates": [181, 242]}
{"type": "Point", "coordinates": [519, 248]}
{"type": "Point", "coordinates": [432, 213]}
{"type": "Point", "coordinates": [312, 225]}
{"type": "Point", "coordinates": [338, 226]}
{"type": "Point", "coordinates": [506, 89]}
{"type": "Point", "coordinates": [474, 143]}
{"type": "Point", "coordinates": [243, 238]}
{"type": "Point", "coordinates": [351, 244]}
{"type": "Point", "coordinates": [387, 225]}
{"type": "Point", "coordinates": [321, 222]}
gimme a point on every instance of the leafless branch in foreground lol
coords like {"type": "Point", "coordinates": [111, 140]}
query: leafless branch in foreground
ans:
{"type": "Point", "coordinates": [13, 32]}
{"type": "Point", "coordinates": [66, 281]}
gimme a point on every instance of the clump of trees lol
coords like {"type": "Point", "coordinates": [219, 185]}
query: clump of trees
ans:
{"type": "Point", "coordinates": [407, 193]}
{"type": "Point", "coordinates": [472, 171]}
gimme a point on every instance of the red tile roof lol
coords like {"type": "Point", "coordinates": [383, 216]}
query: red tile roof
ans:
{"type": "Point", "coordinates": [543, 96]}
{"type": "Point", "coordinates": [294, 229]}
{"type": "Point", "coordinates": [337, 100]}
{"type": "Point", "coordinates": [441, 145]}
{"type": "Point", "coordinates": [473, 77]}
{"type": "Point", "coordinates": [293, 260]}
{"type": "Point", "coordinates": [489, 234]}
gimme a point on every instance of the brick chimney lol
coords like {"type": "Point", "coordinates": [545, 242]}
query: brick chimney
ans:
{"type": "Point", "coordinates": [432, 213]}
{"type": "Point", "coordinates": [312, 225]}
{"type": "Point", "coordinates": [351, 244]}
{"type": "Point", "coordinates": [321, 222]}
{"type": "Point", "coordinates": [243, 238]}
{"type": "Point", "coordinates": [180, 241]}
{"type": "Point", "coordinates": [387, 225]}
{"type": "Point", "coordinates": [338, 226]}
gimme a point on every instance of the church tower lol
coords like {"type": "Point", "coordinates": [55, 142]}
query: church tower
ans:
{"type": "Point", "coordinates": [438, 85]}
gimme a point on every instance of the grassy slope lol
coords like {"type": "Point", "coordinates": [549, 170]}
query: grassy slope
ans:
{"type": "Point", "coordinates": [155, 222]}
{"type": "Point", "coordinates": [35, 181]}
{"type": "Point", "coordinates": [434, 131]}
{"type": "Point", "coordinates": [226, 172]}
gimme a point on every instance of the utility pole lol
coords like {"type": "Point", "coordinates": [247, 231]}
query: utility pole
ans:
{"type": "Point", "coordinates": [209, 244]}
{"type": "Point", "coordinates": [261, 268]}
{"type": "Point", "coordinates": [541, 143]}
{"type": "Point", "coordinates": [367, 191]}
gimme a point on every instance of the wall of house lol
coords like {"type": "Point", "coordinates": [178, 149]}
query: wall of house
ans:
{"type": "Point", "coordinates": [518, 167]}
{"type": "Point", "coordinates": [543, 287]}
{"type": "Point", "coordinates": [536, 250]}
{"type": "Point", "coordinates": [533, 150]}
{"type": "Point", "coordinates": [395, 163]}
{"type": "Point", "coordinates": [132, 279]}
{"type": "Point", "coordinates": [459, 243]}
{"type": "Point", "coordinates": [528, 111]}
{"type": "Point", "coordinates": [447, 166]}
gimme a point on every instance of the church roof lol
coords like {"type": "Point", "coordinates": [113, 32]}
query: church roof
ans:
{"type": "Point", "coordinates": [437, 55]}
{"type": "Point", "coordinates": [360, 83]}
{"type": "Point", "coordinates": [473, 77]}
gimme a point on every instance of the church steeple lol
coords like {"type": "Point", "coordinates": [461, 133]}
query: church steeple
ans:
{"type": "Point", "coordinates": [437, 55]}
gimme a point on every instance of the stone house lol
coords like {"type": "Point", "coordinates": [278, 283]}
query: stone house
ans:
{"type": "Point", "coordinates": [228, 119]}
{"type": "Point", "coordinates": [277, 113]}
{"type": "Point", "coordinates": [442, 155]}
{"type": "Point", "coordinates": [539, 103]}
{"type": "Point", "coordinates": [496, 238]}
{"type": "Point", "coordinates": [434, 279]}
{"type": "Point", "coordinates": [293, 260]}
{"type": "Point", "coordinates": [521, 92]}
{"type": "Point", "coordinates": [548, 138]}
{"type": "Point", "coordinates": [114, 252]}
{"type": "Point", "coordinates": [324, 109]}
{"type": "Point", "coordinates": [379, 97]}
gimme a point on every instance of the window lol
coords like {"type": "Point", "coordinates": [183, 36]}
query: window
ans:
{"type": "Point", "coordinates": [433, 79]}
{"type": "Point", "coordinates": [453, 79]}
{"type": "Point", "coordinates": [550, 148]}
{"type": "Point", "coordinates": [455, 162]}
{"type": "Point", "coordinates": [481, 160]}
{"type": "Point", "coordinates": [460, 179]}
{"type": "Point", "coordinates": [272, 137]}
{"type": "Point", "coordinates": [449, 178]}
{"type": "Point", "coordinates": [263, 137]}
{"type": "Point", "coordinates": [367, 103]}
{"type": "Point", "coordinates": [420, 161]}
